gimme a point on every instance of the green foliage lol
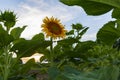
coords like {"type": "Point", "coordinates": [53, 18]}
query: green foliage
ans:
{"type": "Point", "coordinates": [68, 73]}
{"type": "Point", "coordinates": [6, 38]}
{"type": "Point", "coordinates": [66, 47]}
{"type": "Point", "coordinates": [102, 56]}
{"type": "Point", "coordinates": [27, 67]}
{"type": "Point", "coordinates": [82, 49]}
{"type": "Point", "coordinates": [77, 31]}
{"type": "Point", "coordinates": [16, 32]}
{"type": "Point", "coordinates": [22, 71]}
{"type": "Point", "coordinates": [114, 3]}
{"type": "Point", "coordinates": [109, 32]}
{"type": "Point", "coordinates": [8, 18]}
{"type": "Point", "coordinates": [9, 37]}
{"type": "Point", "coordinates": [109, 73]}
{"type": "Point", "coordinates": [25, 48]}
{"type": "Point", "coordinates": [39, 37]}
{"type": "Point", "coordinates": [77, 26]}
{"type": "Point", "coordinates": [90, 7]}
{"type": "Point", "coordinates": [53, 73]}
{"type": "Point", "coordinates": [66, 59]}
{"type": "Point", "coordinates": [116, 13]}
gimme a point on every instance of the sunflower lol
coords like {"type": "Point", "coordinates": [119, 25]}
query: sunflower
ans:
{"type": "Point", "coordinates": [53, 28]}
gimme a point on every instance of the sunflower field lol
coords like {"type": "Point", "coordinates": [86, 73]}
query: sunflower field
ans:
{"type": "Point", "coordinates": [66, 56]}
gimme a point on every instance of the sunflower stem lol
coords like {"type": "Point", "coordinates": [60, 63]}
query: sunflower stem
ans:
{"type": "Point", "coordinates": [51, 52]}
{"type": "Point", "coordinates": [6, 67]}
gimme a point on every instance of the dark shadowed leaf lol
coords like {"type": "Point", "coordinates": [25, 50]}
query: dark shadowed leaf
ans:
{"type": "Point", "coordinates": [112, 70]}
{"type": "Point", "coordinates": [116, 13]}
{"type": "Point", "coordinates": [16, 32]}
{"type": "Point", "coordinates": [82, 48]}
{"type": "Point", "coordinates": [114, 3]}
{"type": "Point", "coordinates": [68, 41]}
{"type": "Point", "coordinates": [77, 26]}
{"type": "Point", "coordinates": [83, 31]}
{"type": "Point", "coordinates": [70, 32]}
{"type": "Point", "coordinates": [53, 72]}
{"type": "Point", "coordinates": [109, 33]}
{"type": "Point", "coordinates": [8, 18]}
{"type": "Point", "coordinates": [70, 73]}
{"type": "Point", "coordinates": [25, 68]}
{"type": "Point", "coordinates": [25, 48]}
{"type": "Point", "coordinates": [5, 38]}
{"type": "Point", "coordinates": [92, 7]}
{"type": "Point", "coordinates": [39, 36]}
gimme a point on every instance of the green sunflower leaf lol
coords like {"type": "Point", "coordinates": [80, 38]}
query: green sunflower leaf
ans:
{"type": "Point", "coordinates": [26, 48]}
{"type": "Point", "coordinates": [93, 7]}
{"type": "Point", "coordinates": [39, 36]}
{"type": "Point", "coordinates": [16, 32]}
{"type": "Point", "coordinates": [77, 26]}
{"type": "Point", "coordinates": [5, 38]}
{"type": "Point", "coordinates": [109, 33]}
{"type": "Point", "coordinates": [116, 13]}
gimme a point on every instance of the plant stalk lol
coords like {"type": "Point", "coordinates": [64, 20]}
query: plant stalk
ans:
{"type": "Point", "coordinates": [6, 66]}
{"type": "Point", "coordinates": [51, 52]}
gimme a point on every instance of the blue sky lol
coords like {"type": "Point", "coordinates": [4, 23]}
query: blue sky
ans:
{"type": "Point", "coordinates": [32, 12]}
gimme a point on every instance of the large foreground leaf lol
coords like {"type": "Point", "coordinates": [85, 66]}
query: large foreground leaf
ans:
{"type": "Point", "coordinates": [109, 32]}
{"type": "Point", "coordinates": [94, 7]}
{"type": "Point", "coordinates": [116, 13]}
{"type": "Point", "coordinates": [114, 3]}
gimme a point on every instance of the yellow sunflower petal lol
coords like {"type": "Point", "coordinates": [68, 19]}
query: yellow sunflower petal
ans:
{"type": "Point", "coordinates": [53, 28]}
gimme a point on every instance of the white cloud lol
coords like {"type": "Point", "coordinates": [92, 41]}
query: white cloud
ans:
{"type": "Point", "coordinates": [33, 15]}
{"type": "Point", "coordinates": [91, 36]}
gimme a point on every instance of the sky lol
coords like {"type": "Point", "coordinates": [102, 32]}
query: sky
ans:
{"type": "Point", "coordinates": [32, 12]}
